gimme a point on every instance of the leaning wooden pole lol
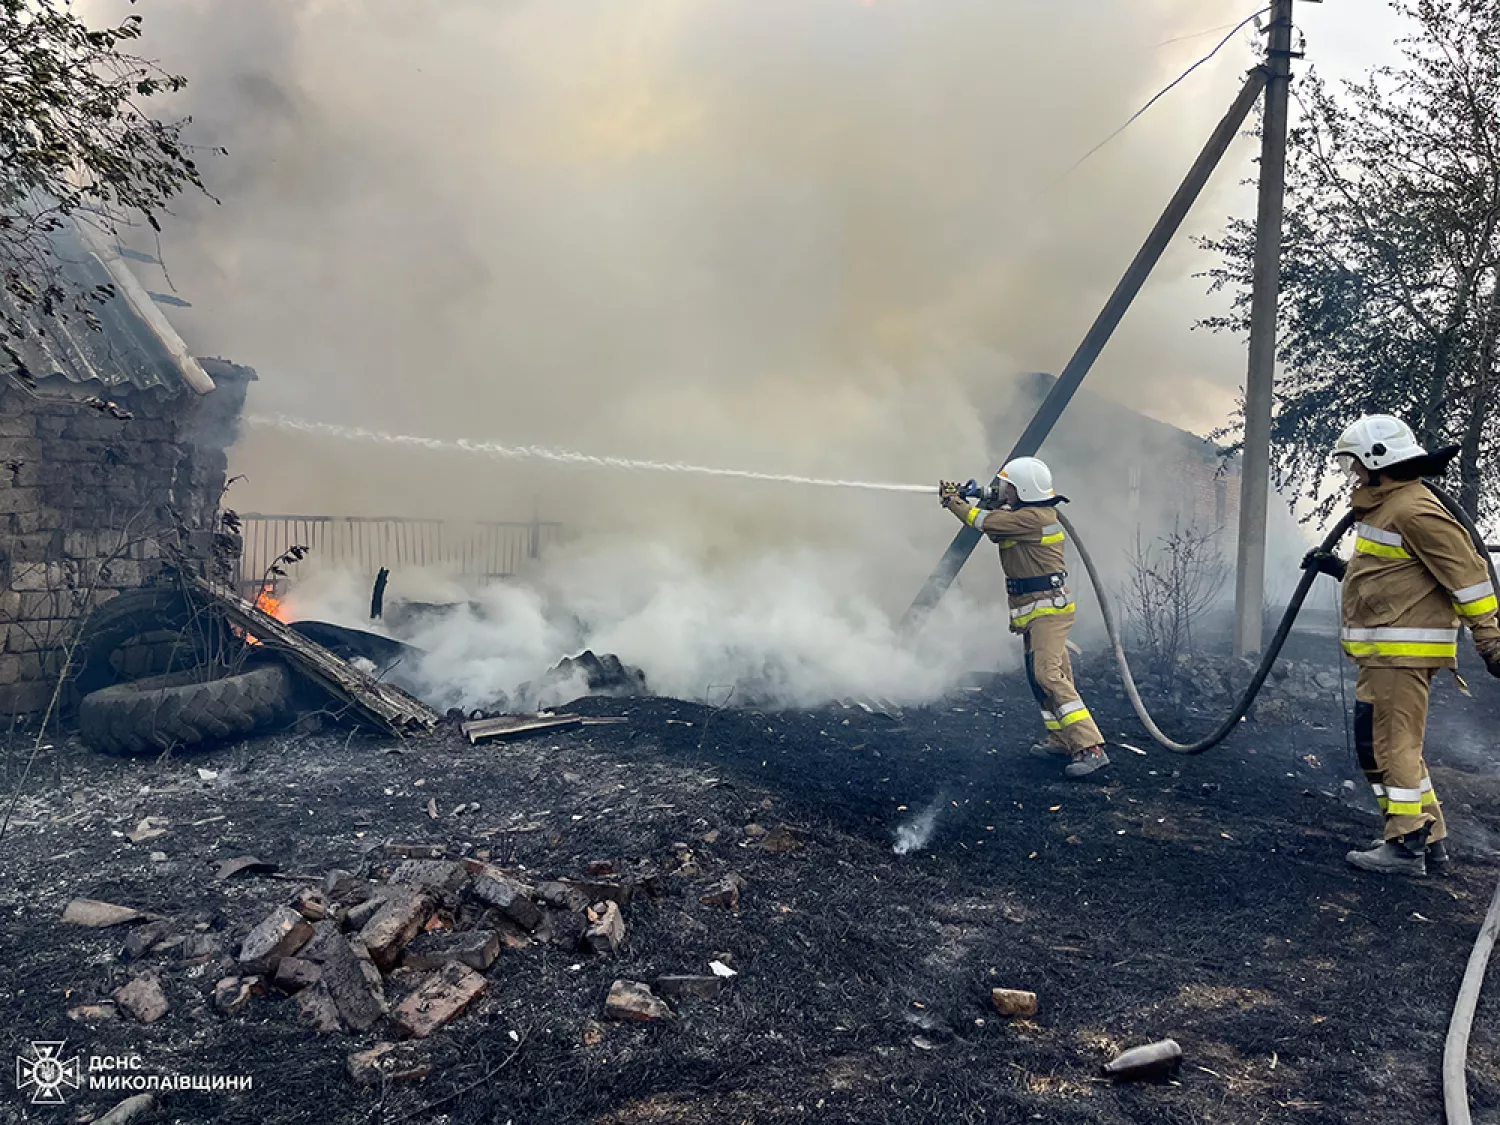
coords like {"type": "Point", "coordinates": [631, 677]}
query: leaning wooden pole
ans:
{"type": "Point", "coordinates": [1103, 328]}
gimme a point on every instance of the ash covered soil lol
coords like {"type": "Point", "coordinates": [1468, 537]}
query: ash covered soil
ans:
{"type": "Point", "coordinates": [1204, 899]}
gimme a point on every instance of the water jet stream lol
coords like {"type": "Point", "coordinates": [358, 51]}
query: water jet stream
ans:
{"type": "Point", "coordinates": [560, 456]}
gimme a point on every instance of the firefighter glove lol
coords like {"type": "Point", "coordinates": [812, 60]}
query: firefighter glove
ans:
{"type": "Point", "coordinates": [948, 491]}
{"type": "Point", "coordinates": [1325, 562]}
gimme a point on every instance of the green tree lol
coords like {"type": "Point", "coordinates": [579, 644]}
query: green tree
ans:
{"type": "Point", "coordinates": [1391, 269]}
{"type": "Point", "coordinates": [77, 143]}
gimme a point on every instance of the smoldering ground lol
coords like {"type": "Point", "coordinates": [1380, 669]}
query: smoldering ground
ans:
{"type": "Point", "coordinates": [781, 236]}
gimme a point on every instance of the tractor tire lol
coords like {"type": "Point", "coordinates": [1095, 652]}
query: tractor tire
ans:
{"type": "Point", "coordinates": [181, 711]}
{"type": "Point", "coordinates": [137, 613]}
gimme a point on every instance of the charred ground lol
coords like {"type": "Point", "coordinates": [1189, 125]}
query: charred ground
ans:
{"type": "Point", "coordinates": [1203, 899]}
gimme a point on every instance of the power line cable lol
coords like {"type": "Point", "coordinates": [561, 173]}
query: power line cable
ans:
{"type": "Point", "coordinates": [1158, 97]}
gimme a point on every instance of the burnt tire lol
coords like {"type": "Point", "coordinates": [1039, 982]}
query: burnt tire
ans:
{"type": "Point", "coordinates": [181, 711]}
{"type": "Point", "coordinates": [138, 613]}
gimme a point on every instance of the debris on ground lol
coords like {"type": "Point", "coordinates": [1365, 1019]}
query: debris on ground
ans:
{"type": "Point", "coordinates": [143, 998]}
{"type": "Point", "coordinates": [1154, 1060]}
{"type": "Point", "coordinates": [1013, 1002]}
{"type": "Point", "coordinates": [132, 1109]}
{"type": "Point", "coordinates": [633, 1002]}
{"type": "Point", "coordinates": [101, 915]}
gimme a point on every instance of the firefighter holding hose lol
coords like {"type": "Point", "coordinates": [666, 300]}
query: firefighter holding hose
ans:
{"type": "Point", "coordinates": [1025, 528]}
{"type": "Point", "coordinates": [1414, 579]}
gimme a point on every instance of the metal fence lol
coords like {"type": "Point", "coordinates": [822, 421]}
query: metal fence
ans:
{"type": "Point", "coordinates": [481, 551]}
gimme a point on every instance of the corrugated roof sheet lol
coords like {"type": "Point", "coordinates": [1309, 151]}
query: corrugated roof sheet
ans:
{"type": "Point", "coordinates": [124, 350]}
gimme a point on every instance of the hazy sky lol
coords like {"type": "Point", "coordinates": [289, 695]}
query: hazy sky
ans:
{"type": "Point", "coordinates": [800, 235]}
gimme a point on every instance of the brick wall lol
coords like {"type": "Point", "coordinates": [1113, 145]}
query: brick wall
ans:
{"type": "Point", "coordinates": [84, 499]}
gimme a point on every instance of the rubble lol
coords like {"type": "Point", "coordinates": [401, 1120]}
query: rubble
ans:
{"type": "Point", "coordinates": [633, 1002]}
{"type": "Point", "coordinates": [99, 915]}
{"type": "Point", "coordinates": [359, 1004]}
{"type": "Point", "coordinates": [245, 865]}
{"type": "Point", "coordinates": [317, 1008]}
{"type": "Point", "coordinates": [494, 889]}
{"type": "Point", "coordinates": [279, 935]}
{"type": "Point", "coordinates": [143, 998]}
{"type": "Point", "coordinates": [293, 974]}
{"type": "Point", "coordinates": [606, 931]}
{"type": "Point", "coordinates": [1013, 1002]}
{"type": "Point", "coordinates": [477, 949]}
{"type": "Point", "coordinates": [603, 891]}
{"type": "Point", "coordinates": [447, 993]}
{"type": "Point", "coordinates": [780, 839]}
{"type": "Point", "coordinates": [439, 878]}
{"type": "Point", "coordinates": [143, 939]}
{"type": "Point", "coordinates": [387, 1062]}
{"type": "Point", "coordinates": [132, 1109]}
{"type": "Point", "coordinates": [232, 995]}
{"type": "Point", "coordinates": [394, 924]}
{"type": "Point", "coordinates": [726, 892]}
{"type": "Point", "coordinates": [94, 1013]}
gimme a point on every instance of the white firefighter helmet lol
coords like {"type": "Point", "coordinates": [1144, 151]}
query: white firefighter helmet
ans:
{"type": "Point", "coordinates": [1379, 441]}
{"type": "Point", "coordinates": [1032, 479]}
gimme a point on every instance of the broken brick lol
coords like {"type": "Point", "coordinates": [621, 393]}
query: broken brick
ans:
{"type": "Point", "coordinates": [439, 878]}
{"type": "Point", "coordinates": [562, 896]}
{"type": "Point", "coordinates": [1012, 1002]}
{"type": "Point", "coordinates": [342, 886]}
{"type": "Point", "coordinates": [197, 947]}
{"type": "Point", "coordinates": [688, 987]}
{"type": "Point", "coordinates": [143, 939]}
{"type": "Point", "coordinates": [387, 1062]}
{"type": "Point", "coordinates": [602, 891]}
{"type": "Point", "coordinates": [447, 993]}
{"type": "Point", "coordinates": [232, 994]}
{"type": "Point", "coordinates": [780, 839]}
{"type": "Point", "coordinates": [475, 948]}
{"type": "Point", "coordinates": [606, 931]}
{"type": "Point", "coordinates": [94, 1013]}
{"type": "Point", "coordinates": [726, 892]}
{"type": "Point", "coordinates": [344, 976]}
{"type": "Point", "coordinates": [280, 934]}
{"type": "Point", "coordinates": [508, 897]}
{"type": "Point", "coordinates": [360, 914]}
{"type": "Point", "coordinates": [294, 974]}
{"type": "Point", "coordinates": [143, 998]}
{"type": "Point", "coordinates": [317, 1008]}
{"type": "Point", "coordinates": [398, 920]}
{"type": "Point", "coordinates": [310, 903]}
{"type": "Point", "coordinates": [634, 1002]}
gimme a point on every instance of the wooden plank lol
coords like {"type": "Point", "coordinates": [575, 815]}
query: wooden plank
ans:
{"type": "Point", "coordinates": [380, 704]}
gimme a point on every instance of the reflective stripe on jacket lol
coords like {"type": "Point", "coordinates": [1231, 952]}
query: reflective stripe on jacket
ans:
{"type": "Point", "coordinates": [1031, 543]}
{"type": "Point", "coordinates": [1415, 576]}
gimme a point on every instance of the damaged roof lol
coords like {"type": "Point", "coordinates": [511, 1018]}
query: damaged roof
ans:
{"type": "Point", "coordinates": [134, 343]}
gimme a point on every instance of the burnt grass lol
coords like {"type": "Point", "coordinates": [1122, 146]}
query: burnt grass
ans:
{"type": "Point", "coordinates": [1204, 899]}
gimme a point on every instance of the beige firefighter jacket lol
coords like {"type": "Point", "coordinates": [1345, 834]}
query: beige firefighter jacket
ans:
{"type": "Point", "coordinates": [1414, 576]}
{"type": "Point", "coordinates": [1031, 546]}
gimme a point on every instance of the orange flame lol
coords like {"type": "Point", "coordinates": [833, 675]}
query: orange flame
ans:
{"type": "Point", "coordinates": [268, 603]}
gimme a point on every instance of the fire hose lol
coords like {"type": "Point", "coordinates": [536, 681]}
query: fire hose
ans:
{"type": "Point", "coordinates": [1456, 1047]}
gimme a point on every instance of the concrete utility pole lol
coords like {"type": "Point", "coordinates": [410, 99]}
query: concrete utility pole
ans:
{"type": "Point", "coordinates": [1099, 334]}
{"type": "Point", "coordinates": [1255, 481]}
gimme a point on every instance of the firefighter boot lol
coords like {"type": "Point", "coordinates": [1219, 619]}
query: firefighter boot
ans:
{"type": "Point", "coordinates": [1085, 762]}
{"type": "Point", "coordinates": [1404, 856]}
{"type": "Point", "coordinates": [1439, 860]}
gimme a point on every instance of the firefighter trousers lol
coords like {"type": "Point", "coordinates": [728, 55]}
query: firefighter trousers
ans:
{"type": "Point", "coordinates": [1390, 720]}
{"type": "Point", "coordinates": [1050, 672]}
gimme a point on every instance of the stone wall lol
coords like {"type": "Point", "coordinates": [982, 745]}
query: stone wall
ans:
{"type": "Point", "coordinates": [86, 499]}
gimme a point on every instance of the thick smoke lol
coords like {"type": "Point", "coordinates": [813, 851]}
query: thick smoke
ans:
{"type": "Point", "coordinates": [781, 235]}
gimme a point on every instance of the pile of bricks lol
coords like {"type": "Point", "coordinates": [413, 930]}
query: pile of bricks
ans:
{"type": "Point", "coordinates": [409, 953]}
